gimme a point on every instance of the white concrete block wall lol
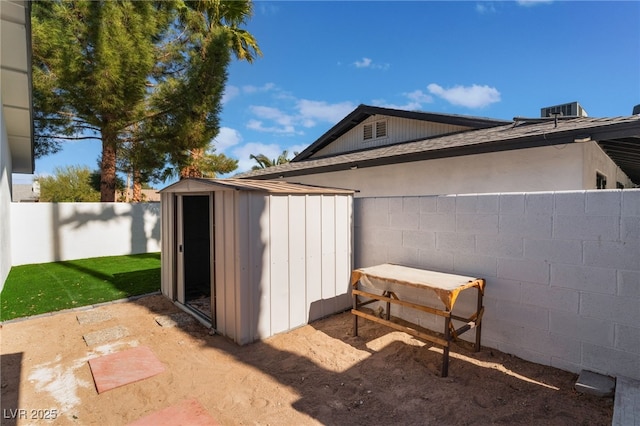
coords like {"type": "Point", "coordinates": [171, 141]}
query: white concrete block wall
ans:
{"type": "Point", "coordinates": [562, 268]}
{"type": "Point", "coordinates": [49, 232]}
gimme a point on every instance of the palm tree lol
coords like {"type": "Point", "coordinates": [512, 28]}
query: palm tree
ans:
{"type": "Point", "coordinates": [264, 161]}
{"type": "Point", "coordinates": [230, 15]}
{"type": "Point", "coordinates": [227, 16]}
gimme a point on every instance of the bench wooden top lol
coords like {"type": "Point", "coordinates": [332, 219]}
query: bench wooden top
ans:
{"type": "Point", "coordinates": [446, 286]}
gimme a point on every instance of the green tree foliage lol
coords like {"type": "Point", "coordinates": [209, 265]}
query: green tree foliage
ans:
{"type": "Point", "coordinates": [264, 161]}
{"type": "Point", "coordinates": [144, 77]}
{"type": "Point", "coordinates": [91, 64]}
{"type": "Point", "coordinates": [69, 184]}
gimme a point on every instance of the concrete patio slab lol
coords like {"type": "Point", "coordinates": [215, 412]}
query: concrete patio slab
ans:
{"type": "Point", "coordinates": [121, 368]}
{"type": "Point", "coordinates": [177, 319]}
{"type": "Point", "coordinates": [189, 412]}
{"type": "Point", "coordinates": [106, 335]}
{"type": "Point", "coordinates": [93, 317]}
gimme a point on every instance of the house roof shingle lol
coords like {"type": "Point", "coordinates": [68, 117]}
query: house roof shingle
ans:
{"type": "Point", "coordinates": [618, 136]}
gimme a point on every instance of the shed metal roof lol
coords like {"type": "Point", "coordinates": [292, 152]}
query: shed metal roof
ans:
{"type": "Point", "coordinates": [269, 186]}
{"type": "Point", "coordinates": [618, 136]}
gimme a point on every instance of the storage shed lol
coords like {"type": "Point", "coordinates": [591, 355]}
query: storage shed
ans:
{"type": "Point", "coordinates": [255, 258]}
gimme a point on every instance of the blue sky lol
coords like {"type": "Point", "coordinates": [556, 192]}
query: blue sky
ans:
{"type": "Point", "coordinates": [491, 59]}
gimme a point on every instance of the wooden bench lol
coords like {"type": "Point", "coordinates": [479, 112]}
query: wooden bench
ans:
{"type": "Point", "coordinates": [388, 278]}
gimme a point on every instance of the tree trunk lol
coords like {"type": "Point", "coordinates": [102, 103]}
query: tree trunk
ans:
{"type": "Point", "coordinates": [137, 187]}
{"type": "Point", "coordinates": [108, 167]}
{"type": "Point", "coordinates": [192, 170]}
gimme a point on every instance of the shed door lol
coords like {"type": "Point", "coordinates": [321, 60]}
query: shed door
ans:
{"type": "Point", "coordinates": [194, 249]}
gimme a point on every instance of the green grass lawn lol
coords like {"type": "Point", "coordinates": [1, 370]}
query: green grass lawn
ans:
{"type": "Point", "coordinates": [48, 287]}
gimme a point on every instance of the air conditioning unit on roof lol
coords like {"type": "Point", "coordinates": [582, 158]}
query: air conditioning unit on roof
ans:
{"type": "Point", "coordinates": [573, 109]}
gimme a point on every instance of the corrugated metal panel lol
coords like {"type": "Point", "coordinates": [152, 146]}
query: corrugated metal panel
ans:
{"type": "Point", "coordinates": [261, 283]}
{"type": "Point", "coordinates": [398, 130]}
{"type": "Point", "coordinates": [279, 249]}
{"type": "Point", "coordinates": [297, 259]}
{"type": "Point", "coordinates": [168, 258]}
{"type": "Point", "coordinates": [243, 257]}
{"type": "Point", "coordinates": [343, 249]}
{"type": "Point", "coordinates": [313, 256]}
{"type": "Point", "coordinates": [328, 237]}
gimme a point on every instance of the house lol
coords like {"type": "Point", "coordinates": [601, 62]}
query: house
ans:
{"type": "Point", "coordinates": [16, 129]}
{"type": "Point", "coordinates": [385, 152]}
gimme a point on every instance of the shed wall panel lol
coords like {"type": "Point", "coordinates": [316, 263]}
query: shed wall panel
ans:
{"type": "Point", "coordinates": [228, 300]}
{"type": "Point", "coordinates": [297, 260]}
{"type": "Point", "coordinates": [246, 317]}
{"type": "Point", "coordinates": [260, 223]}
{"type": "Point", "coordinates": [218, 247]}
{"type": "Point", "coordinates": [313, 257]}
{"type": "Point", "coordinates": [343, 251]}
{"type": "Point", "coordinates": [279, 248]}
{"type": "Point", "coordinates": [328, 255]}
{"type": "Point", "coordinates": [168, 254]}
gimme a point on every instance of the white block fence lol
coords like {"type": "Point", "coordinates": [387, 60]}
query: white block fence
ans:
{"type": "Point", "coordinates": [50, 232]}
{"type": "Point", "coordinates": [562, 268]}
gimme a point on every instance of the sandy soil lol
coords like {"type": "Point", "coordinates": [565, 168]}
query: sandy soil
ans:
{"type": "Point", "coordinates": [317, 374]}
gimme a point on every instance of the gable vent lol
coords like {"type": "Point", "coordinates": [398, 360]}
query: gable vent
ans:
{"type": "Point", "coordinates": [374, 130]}
{"type": "Point", "coordinates": [368, 131]}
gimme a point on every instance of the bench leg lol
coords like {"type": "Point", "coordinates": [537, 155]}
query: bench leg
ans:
{"type": "Point", "coordinates": [355, 317]}
{"type": "Point", "coordinates": [445, 352]}
{"type": "Point", "coordinates": [479, 321]}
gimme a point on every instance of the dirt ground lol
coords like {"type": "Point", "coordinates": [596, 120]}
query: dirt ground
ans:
{"type": "Point", "coordinates": [317, 374]}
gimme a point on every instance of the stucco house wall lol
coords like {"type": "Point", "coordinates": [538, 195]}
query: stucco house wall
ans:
{"type": "Point", "coordinates": [562, 268]}
{"type": "Point", "coordinates": [554, 168]}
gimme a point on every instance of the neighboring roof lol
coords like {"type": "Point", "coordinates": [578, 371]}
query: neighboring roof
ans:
{"type": "Point", "coordinates": [15, 71]}
{"type": "Point", "coordinates": [270, 186]}
{"type": "Point", "coordinates": [618, 136]}
{"type": "Point", "coordinates": [362, 112]}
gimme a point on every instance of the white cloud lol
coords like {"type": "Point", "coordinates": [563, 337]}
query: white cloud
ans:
{"type": "Point", "coordinates": [230, 92]}
{"type": "Point", "coordinates": [529, 3]}
{"type": "Point", "coordinates": [409, 106]}
{"type": "Point", "coordinates": [485, 7]}
{"type": "Point", "coordinates": [419, 96]}
{"type": "Point", "coordinates": [364, 63]}
{"type": "Point", "coordinates": [414, 103]}
{"type": "Point", "coordinates": [273, 114]}
{"type": "Point", "coordinates": [227, 138]}
{"type": "Point", "coordinates": [243, 152]}
{"type": "Point", "coordinates": [307, 114]}
{"type": "Point", "coordinates": [474, 96]}
{"type": "Point", "coordinates": [310, 111]}
{"type": "Point", "coordinates": [258, 126]}
{"type": "Point", "coordinates": [368, 63]}
{"type": "Point", "coordinates": [258, 89]}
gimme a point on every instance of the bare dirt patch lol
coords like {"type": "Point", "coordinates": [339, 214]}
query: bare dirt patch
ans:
{"type": "Point", "coordinates": [317, 374]}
